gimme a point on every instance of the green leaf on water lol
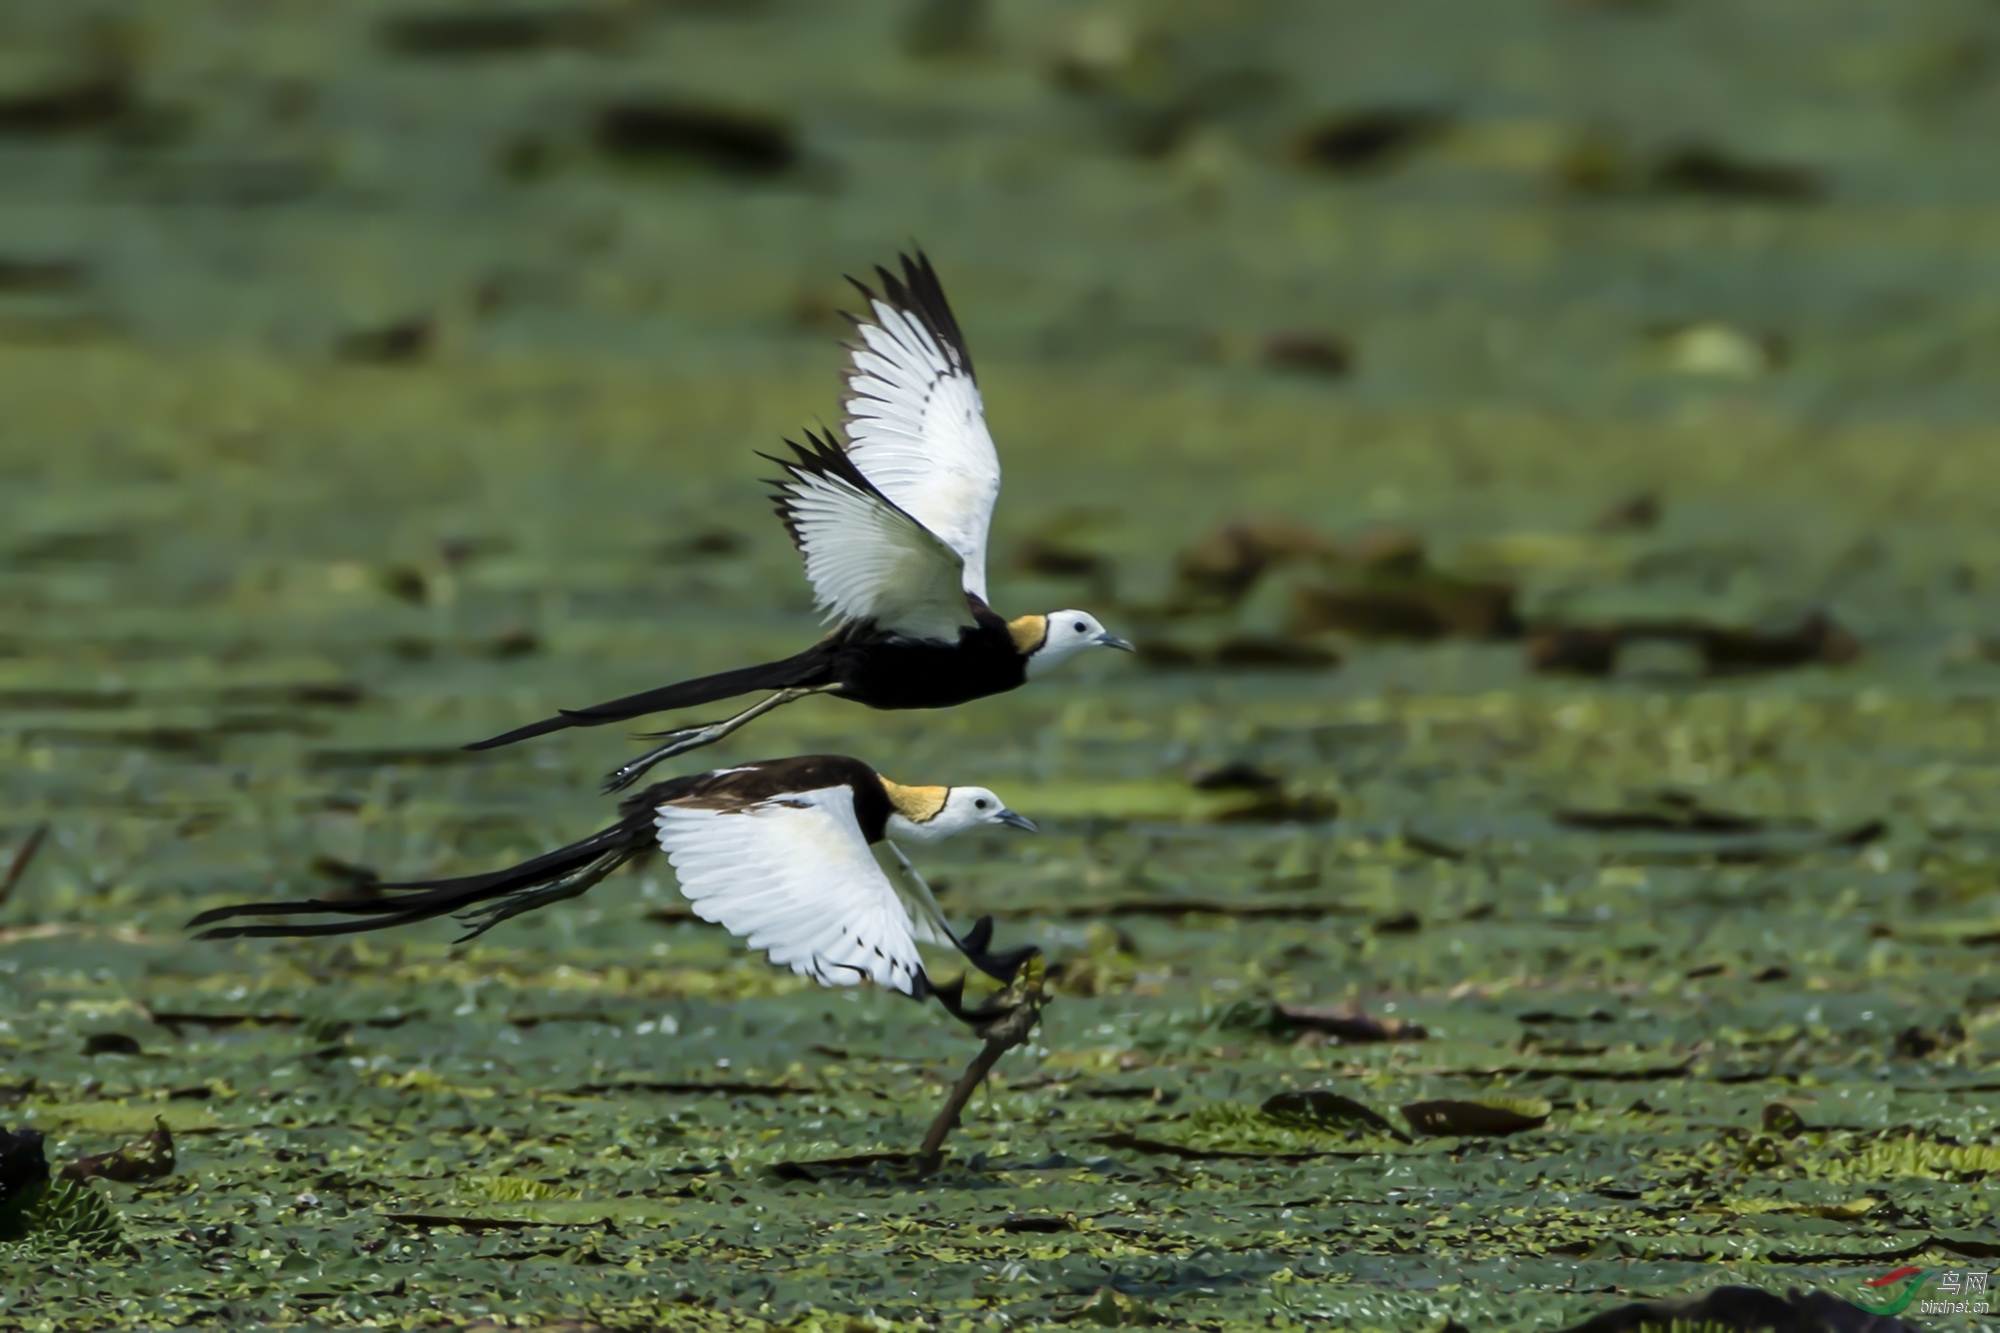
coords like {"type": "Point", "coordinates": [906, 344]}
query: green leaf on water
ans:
{"type": "Point", "coordinates": [1300, 1128]}
{"type": "Point", "coordinates": [1477, 1118]}
{"type": "Point", "coordinates": [24, 1179]}
{"type": "Point", "coordinates": [1318, 1109]}
{"type": "Point", "coordinates": [70, 1214]}
{"type": "Point", "coordinates": [1984, 930]}
{"type": "Point", "coordinates": [511, 1189]}
{"type": "Point", "coordinates": [1110, 1308]}
{"type": "Point", "coordinates": [1910, 1155]}
{"type": "Point", "coordinates": [147, 1158]}
{"type": "Point", "coordinates": [1782, 1119]}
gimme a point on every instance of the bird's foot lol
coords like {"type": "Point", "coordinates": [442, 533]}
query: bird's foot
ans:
{"type": "Point", "coordinates": [677, 742]}
{"type": "Point", "coordinates": [1020, 1002]}
{"type": "Point", "coordinates": [693, 738]}
{"type": "Point", "coordinates": [952, 996]}
{"type": "Point", "coordinates": [1002, 967]}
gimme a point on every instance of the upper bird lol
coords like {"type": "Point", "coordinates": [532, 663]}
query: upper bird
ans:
{"type": "Point", "coordinates": [892, 529]}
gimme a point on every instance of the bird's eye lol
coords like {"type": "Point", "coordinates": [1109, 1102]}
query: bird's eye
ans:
{"type": "Point", "coordinates": [979, 804]}
{"type": "Point", "coordinates": [1080, 627]}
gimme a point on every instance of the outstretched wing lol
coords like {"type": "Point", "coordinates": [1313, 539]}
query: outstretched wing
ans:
{"type": "Point", "coordinates": [914, 420]}
{"type": "Point", "coordinates": [794, 877]}
{"type": "Point", "coordinates": [867, 558]}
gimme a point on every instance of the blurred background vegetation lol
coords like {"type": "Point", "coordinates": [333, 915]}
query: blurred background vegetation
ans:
{"type": "Point", "coordinates": [1542, 447]}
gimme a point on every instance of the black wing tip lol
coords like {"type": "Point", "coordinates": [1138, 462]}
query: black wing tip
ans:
{"type": "Point", "coordinates": [821, 446]}
{"type": "Point", "coordinates": [867, 295]}
{"type": "Point", "coordinates": [920, 293]}
{"type": "Point", "coordinates": [822, 455]}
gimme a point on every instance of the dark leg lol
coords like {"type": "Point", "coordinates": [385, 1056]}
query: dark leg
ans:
{"type": "Point", "coordinates": [1002, 967]}
{"type": "Point", "coordinates": [693, 738]}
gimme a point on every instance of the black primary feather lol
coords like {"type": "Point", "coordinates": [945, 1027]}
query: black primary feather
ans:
{"type": "Point", "coordinates": [1002, 967]}
{"type": "Point", "coordinates": [919, 293]}
{"type": "Point", "coordinates": [819, 456]}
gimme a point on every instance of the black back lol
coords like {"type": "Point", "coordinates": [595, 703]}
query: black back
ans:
{"type": "Point", "coordinates": [765, 780]}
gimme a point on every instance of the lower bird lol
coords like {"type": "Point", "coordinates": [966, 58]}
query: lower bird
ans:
{"type": "Point", "coordinates": [779, 852]}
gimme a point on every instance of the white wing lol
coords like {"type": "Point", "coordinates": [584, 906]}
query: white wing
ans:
{"type": "Point", "coordinates": [866, 558]}
{"type": "Point", "coordinates": [915, 422]}
{"type": "Point", "coordinates": [927, 921]}
{"type": "Point", "coordinates": [795, 878]}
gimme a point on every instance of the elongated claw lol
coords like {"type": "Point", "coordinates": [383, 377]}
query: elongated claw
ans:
{"type": "Point", "coordinates": [693, 738]}
{"type": "Point", "coordinates": [678, 742]}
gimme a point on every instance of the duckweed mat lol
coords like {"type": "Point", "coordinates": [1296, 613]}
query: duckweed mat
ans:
{"type": "Point", "coordinates": [377, 377]}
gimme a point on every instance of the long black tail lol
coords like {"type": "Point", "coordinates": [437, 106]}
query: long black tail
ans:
{"type": "Point", "coordinates": [811, 667]}
{"type": "Point", "coordinates": [563, 873]}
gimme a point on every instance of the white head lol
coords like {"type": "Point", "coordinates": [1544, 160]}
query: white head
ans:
{"type": "Point", "coordinates": [927, 814]}
{"type": "Point", "coordinates": [1050, 640]}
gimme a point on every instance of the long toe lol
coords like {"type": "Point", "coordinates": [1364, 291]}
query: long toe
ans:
{"type": "Point", "coordinates": [1003, 967]}
{"type": "Point", "coordinates": [618, 779]}
{"type": "Point", "coordinates": [976, 940]}
{"type": "Point", "coordinates": [976, 945]}
{"type": "Point", "coordinates": [952, 996]}
{"type": "Point", "coordinates": [668, 735]}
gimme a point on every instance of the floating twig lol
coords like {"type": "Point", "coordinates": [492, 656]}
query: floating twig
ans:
{"type": "Point", "coordinates": [22, 856]}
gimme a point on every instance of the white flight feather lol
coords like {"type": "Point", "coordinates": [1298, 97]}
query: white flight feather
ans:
{"type": "Point", "coordinates": [916, 426]}
{"type": "Point", "coordinates": [927, 921]}
{"type": "Point", "coordinates": [795, 878]}
{"type": "Point", "coordinates": [868, 560]}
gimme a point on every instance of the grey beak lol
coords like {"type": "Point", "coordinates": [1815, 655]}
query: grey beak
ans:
{"type": "Point", "coordinates": [1018, 821]}
{"type": "Point", "coordinates": [1110, 640]}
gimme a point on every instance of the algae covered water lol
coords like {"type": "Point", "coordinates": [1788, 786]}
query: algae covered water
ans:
{"type": "Point", "coordinates": [1541, 858]}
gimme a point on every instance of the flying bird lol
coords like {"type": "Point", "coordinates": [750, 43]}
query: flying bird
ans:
{"type": "Point", "coordinates": [892, 530]}
{"type": "Point", "coordinates": [779, 852]}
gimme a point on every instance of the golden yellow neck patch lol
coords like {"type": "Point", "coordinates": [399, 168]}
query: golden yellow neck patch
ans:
{"type": "Point", "coordinates": [919, 805]}
{"type": "Point", "coordinates": [1028, 633]}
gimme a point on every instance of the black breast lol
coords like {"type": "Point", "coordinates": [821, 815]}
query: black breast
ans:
{"type": "Point", "coordinates": [884, 672]}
